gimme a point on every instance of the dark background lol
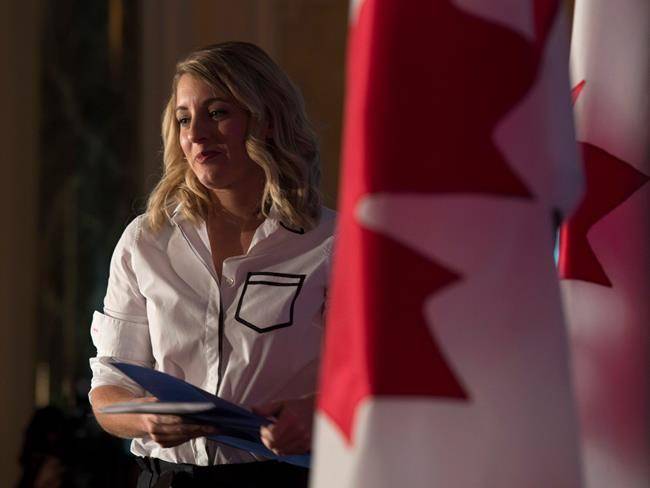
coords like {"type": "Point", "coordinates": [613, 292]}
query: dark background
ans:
{"type": "Point", "coordinates": [83, 88]}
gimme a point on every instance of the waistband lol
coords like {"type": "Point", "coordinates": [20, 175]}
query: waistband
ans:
{"type": "Point", "coordinates": [156, 473]}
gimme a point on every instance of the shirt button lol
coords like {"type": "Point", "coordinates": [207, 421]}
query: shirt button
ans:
{"type": "Point", "coordinates": [229, 281]}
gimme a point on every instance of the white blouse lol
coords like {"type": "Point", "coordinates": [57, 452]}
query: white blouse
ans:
{"type": "Point", "coordinates": [252, 337]}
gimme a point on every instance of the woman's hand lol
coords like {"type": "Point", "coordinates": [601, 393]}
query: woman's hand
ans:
{"type": "Point", "coordinates": [291, 432]}
{"type": "Point", "coordinates": [172, 430]}
{"type": "Point", "coordinates": [166, 430]}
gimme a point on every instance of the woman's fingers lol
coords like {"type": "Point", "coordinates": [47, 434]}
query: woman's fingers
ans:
{"type": "Point", "coordinates": [291, 433]}
{"type": "Point", "coordinates": [174, 439]}
{"type": "Point", "coordinates": [292, 440]}
{"type": "Point", "coordinates": [170, 440]}
{"type": "Point", "coordinates": [147, 399]}
{"type": "Point", "coordinates": [171, 430]}
{"type": "Point", "coordinates": [159, 423]}
{"type": "Point", "coordinates": [166, 419]}
{"type": "Point", "coordinates": [286, 429]}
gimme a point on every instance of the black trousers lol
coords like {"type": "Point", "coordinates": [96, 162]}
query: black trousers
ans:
{"type": "Point", "coordinates": [156, 473]}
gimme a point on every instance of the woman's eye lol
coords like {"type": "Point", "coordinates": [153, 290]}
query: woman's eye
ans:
{"type": "Point", "coordinates": [215, 114]}
{"type": "Point", "coordinates": [183, 121]}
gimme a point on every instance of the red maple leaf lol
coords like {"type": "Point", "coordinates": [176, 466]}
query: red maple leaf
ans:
{"type": "Point", "coordinates": [609, 182]}
{"type": "Point", "coordinates": [575, 92]}
{"type": "Point", "coordinates": [427, 84]}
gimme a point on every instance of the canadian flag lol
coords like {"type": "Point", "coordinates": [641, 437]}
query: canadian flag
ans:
{"type": "Point", "coordinates": [605, 246]}
{"type": "Point", "coordinates": [445, 359]}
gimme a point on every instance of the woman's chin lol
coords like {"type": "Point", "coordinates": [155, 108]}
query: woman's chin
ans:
{"type": "Point", "coordinates": [214, 182]}
{"type": "Point", "coordinates": [215, 185]}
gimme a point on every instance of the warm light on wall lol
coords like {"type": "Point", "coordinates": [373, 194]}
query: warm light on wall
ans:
{"type": "Point", "coordinates": [42, 385]}
{"type": "Point", "coordinates": [115, 35]}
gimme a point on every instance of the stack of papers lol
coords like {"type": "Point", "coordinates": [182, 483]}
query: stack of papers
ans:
{"type": "Point", "coordinates": [238, 427]}
{"type": "Point", "coordinates": [177, 408]}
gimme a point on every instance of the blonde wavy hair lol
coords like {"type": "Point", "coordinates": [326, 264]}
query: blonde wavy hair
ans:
{"type": "Point", "coordinates": [289, 156]}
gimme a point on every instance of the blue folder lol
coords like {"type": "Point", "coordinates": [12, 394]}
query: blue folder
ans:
{"type": "Point", "coordinates": [238, 427]}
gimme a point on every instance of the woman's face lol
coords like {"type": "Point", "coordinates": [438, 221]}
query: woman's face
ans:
{"type": "Point", "coordinates": [212, 132]}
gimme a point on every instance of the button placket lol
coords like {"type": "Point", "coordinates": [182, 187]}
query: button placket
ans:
{"type": "Point", "coordinates": [228, 274]}
{"type": "Point", "coordinates": [213, 338]}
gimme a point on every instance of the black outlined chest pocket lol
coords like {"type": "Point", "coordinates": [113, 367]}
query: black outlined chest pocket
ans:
{"type": "Point", "coordinates": [268, 299]}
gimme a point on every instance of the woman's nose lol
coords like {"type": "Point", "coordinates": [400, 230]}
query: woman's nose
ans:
{"type": "Point", "coordinates": [198, 131]}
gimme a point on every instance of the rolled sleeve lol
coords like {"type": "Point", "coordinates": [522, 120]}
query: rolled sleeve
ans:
{"type": "Point", "coordinates": [120, 339]}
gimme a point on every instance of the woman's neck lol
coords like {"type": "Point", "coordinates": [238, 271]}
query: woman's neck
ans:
{"type": "Point", "coordinates": [241, 209]}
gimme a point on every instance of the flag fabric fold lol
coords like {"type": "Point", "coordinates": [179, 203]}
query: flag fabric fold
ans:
{"type": "Point", "coordinates": [446, 360]}
{"type": "Point", "coordinates": [604, 250]}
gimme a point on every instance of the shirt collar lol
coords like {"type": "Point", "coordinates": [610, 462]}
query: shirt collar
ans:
{"type": "Point", "coordinates": [270, 225]}
{"type": "Point", "coordinates": [266, 228]}
{"type": "Point", "coordinates": [176, 215]}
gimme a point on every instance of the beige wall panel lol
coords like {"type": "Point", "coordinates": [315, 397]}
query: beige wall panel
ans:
{"type": "Point", "coordinates": [167, 34]}
{"type": "Point", "coordinates": [19, 48]}
{"type": "Point", "coordinates": [311, 44]}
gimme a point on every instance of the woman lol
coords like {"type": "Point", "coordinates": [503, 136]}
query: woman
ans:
{"type": "Point", "coordinates": [222, 281]}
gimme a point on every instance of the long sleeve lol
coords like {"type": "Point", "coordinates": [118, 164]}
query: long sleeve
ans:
{"type": "Point", "coordinates": [121, 332]}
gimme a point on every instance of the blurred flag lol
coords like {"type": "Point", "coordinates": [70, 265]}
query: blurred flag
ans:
{"type": "Point", "coordinates": [605, 246]}
{"type": "Point", "coordinates": [446, 359]}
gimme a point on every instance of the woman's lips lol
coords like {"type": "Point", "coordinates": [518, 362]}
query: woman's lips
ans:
{"type": "Point", "coordinates": [205, 156]}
